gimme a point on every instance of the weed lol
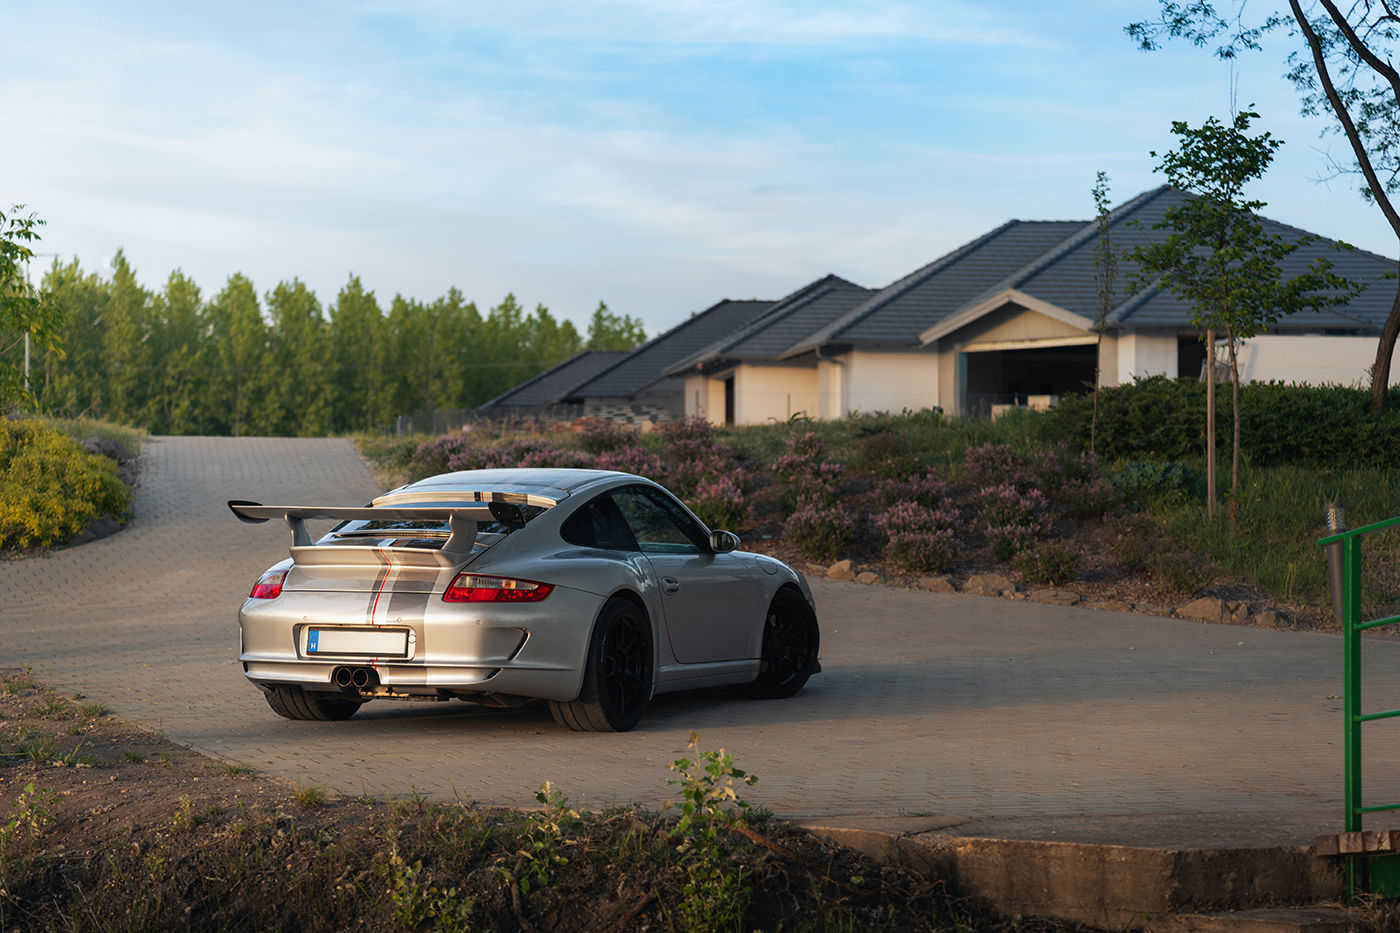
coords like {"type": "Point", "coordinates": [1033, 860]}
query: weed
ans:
{"type": "Point", "coordinates": [419, 905]}
{"type": "Point", "coordinates": [94, 710]}
{"type": "Point", "coordinates": [548, 833]}
{"type": "Point", "coordinates": [53, 707]}
{"type": "Point", "coordinates": [187, 817]}
{"type": "Point", "coordinates": [31, 812]}
{"type": "Point", "coordinates": [716, 892]}
{"type": "Point", "coordinates": [40, 750]}
{"type": "Point", "coordinates": [131, 754]}
{"type": "Point", "coordinates": [240, 770]}
{"type": "Point", "coordinates": [310, 796]}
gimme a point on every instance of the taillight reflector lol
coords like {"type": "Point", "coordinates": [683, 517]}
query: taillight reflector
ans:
{"type": "Point", "coordinates": [269, 585]}
{"type": "Point", "coordinates": [476, 588]}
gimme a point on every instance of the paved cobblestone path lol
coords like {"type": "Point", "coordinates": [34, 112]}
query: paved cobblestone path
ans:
{"type": "Point", "coordinates": [934, 711]}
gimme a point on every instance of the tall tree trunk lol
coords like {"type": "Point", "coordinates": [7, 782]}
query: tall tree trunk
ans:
{"type": "Point", "coordinates": [1235, 428]}
{"type": "Point", "coordinates": [1210, 423]}
{"type": "Point", "coordinates": [1098, 377]}
{"type": "Point", "coordinates": [1380, 374]}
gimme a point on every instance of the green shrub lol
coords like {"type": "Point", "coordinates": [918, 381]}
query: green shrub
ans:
{"type": "Point", "coordinates": [1142, 483]}
{"type": "Point", "coordinates": [50, 488]}
{"type": "Point", "coordinates": [1164, 419]}
{"type": "Point", "coordinates": [1050, 564]}
{"type": "Point", "coordinates": [820, 531]}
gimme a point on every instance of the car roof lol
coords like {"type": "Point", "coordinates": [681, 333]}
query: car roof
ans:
{"type": "Point", "coordinates": [541, 486]}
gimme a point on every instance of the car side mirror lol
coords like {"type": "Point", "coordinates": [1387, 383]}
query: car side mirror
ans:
{"type": "Point", "coordinates": [722, 542]}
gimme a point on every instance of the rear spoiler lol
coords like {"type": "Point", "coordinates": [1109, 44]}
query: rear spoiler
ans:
{"type": "Point", "coordinates": [461, 520]}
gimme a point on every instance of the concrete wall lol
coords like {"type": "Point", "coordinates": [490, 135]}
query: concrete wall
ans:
{"type": "Point", "coordinates": [891, 381]}
{"type": "Point", "coordinates": [831, 388]}
{"type": "Point", "coordinates": [1142, 354]}
{"type": "Point", "coordinates": [1313, 359]}
{"type": "Point", "coordinates": [772, 393]}
{"type": "Point", "coordinates": [704, 398]}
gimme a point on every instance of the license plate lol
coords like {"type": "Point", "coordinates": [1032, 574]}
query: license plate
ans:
{"type": "Point", "coordinates": [357, 642]}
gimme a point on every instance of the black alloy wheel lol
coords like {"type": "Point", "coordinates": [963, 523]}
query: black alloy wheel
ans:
{"type": "Point", "coordinates": [791, 641]}
{"type": "Point", "coordinates": [617, 677]}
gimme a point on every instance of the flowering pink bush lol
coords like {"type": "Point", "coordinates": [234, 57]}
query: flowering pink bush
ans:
{"type": "Point", "coordinates": [1074, 481]}
{"type": "Point", "coordinates": [435, 456]}
{"type": "Point", "coordinates": [634, 459]}
{"type": "Point", "coordinates": [994, 464]}
{"type": "Point", "coordinates": [685, 429]}
{"type": "Point", "coordinates": [919, 538]}
{"type": "Point", "coordinates": [606, 436]}
{"type": "Point", "coordinates": [692, 461]}
{"type": "Point", "coordinates": [803, 473]}
{"type": "Point", "coordinates": [819, 531]}
{"type": "Point", "coordinates": [721, 503]}
{"type": "Point", "coordinates": [1013, 520]}
{"type": "Point", "coordinates": [923, 488]}
{"type": "Point", "coordinates": [520, 452]}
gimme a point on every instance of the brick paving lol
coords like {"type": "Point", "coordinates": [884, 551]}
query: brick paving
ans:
{"type": "Point", "coordinates": [974, 714]}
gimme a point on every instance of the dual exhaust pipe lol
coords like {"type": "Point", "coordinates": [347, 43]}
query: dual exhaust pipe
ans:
{"type": "Point", "coordinates": [358, 678]}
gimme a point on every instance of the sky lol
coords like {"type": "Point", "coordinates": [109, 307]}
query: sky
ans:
{"type": "Point", "coordinates": [659, 155]}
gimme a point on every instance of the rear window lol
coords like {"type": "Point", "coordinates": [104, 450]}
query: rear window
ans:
{"type": "Point", "coordinates": [414, 533]}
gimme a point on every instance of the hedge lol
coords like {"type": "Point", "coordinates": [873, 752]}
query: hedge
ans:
{"type": "Point", "coordinates": [1164, 419]}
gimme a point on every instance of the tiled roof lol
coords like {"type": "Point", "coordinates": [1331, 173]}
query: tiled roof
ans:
{"type": "Point", "coordinates": [790, 320]}
{"type": "Point", "coordinates": [649, 362]}
{"type": "Point", "coordinates": [898, 313]}
{"type": "Point", "coordinates": [550, 386]}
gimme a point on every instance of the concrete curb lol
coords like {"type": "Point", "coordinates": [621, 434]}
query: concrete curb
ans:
{"type": "Point", "coordinates": [1106, 886]}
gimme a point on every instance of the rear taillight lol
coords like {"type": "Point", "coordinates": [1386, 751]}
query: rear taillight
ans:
{"type": "Point", "coordinates": [476, 588]}
{"type": "Point", "coordinates": [269, 585]}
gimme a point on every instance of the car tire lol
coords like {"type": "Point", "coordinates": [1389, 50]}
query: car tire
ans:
{"type": "Point", "coordinates": [292, 702]}
{"type": "Point", "coordinates": [791, 640]}
{"type": "Point", "coordinates": [617, 674]}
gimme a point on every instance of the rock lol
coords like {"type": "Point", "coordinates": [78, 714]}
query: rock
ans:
{"type": "Point", "coordinates": [102, 447]}
{"type": "Point", "coordinates": [1206, 609]}
{"type": "Point", "coordinates": [1152, 609]}
{"type": "Point", "coordinates": [1108, 605]}
{"type": "Point", "coordinates": [841, 570]}
{"type": "Point", "coordinates": [989, 584]}
{"type": "Point", "coordinates": [867, 577]}
{"type": "Point", "coordinates": [1266, 618]}
{"type": "Point", "coordinates": [939, 584]}
{"type": "Point", "coordinates": [1054, 597]}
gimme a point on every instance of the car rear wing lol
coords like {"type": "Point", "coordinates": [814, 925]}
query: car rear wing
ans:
{"type": "Point", "coordinates": [461, 520]}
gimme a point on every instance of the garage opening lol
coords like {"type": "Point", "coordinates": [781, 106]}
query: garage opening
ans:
{"type": "Point", "coordinates": [1036, 377]}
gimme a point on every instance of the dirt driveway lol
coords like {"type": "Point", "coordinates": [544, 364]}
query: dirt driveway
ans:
{"type": "Point", "coordinates": [979, 715]}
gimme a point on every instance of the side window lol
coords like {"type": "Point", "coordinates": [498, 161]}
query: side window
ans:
{"type": "Point", "coordinates": [660, 525]}
{"type": "Point", "coordinates": [599, 524]}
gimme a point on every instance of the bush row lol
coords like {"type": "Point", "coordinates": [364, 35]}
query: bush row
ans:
{"type": "Point", "coordinates": [1164, 419]}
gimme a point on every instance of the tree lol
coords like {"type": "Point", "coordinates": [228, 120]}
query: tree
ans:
{"type": "Point", "coordinates": [237, 349]}
{"type": "Point", "coordinates": [22, 311]}
{"type": "Point", "coordinates": [609, 331]}
{"type": "Point", "coordinates": [1219, 257]}
{"type": "Point", "coordinates": [1343, 66]}
{"type": "Point", "coordinates": [177, 341]}
{"type": "Point", "coordinates": [1105, 273]}
{"type": "Point", "coordinates": [356, 331]}
{"type": "Point", "coordinates": [298, 397]}
{"type": "Point", "coordinates": [127, 353]}
{"type": "Point", "coordinates": [74, 380]}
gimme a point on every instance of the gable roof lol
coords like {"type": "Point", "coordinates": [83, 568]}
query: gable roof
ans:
{"type": "Point", "coordinates": [550, 386]}
{"type": "Point", "coordinates": [899, 312]}
{"type": "Point", "coordinates": [651, 361]}
{"type": "Point", "coordinates": [811, 307]}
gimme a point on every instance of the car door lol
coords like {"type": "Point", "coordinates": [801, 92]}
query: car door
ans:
{"type": "Point", "coordinates": [710, 600]}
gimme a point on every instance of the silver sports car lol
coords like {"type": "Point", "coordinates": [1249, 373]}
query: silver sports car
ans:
{"type": "Point", "coordinates": [589, 589]}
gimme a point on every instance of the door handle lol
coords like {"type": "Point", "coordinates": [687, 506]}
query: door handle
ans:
{"type": "Point", "coordinates": [670, 585]}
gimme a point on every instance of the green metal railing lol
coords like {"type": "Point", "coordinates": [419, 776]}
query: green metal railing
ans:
{"type": "Point", "coordinates": [1349, 543]}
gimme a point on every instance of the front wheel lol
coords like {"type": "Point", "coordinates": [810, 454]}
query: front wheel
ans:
{"type": "Point", "coordinates": [291, 702]}
{"type": "Point", "coordinates": [790, 643]}
{"type": "Point", "coordinates": [617, 673]}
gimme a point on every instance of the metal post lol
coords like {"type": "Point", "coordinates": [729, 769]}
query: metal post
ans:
{"type": "Point", "coordinates": [1351, 699]}
{"type": "Point", "coordinates": [1336, 524]}
{"type": "Point", "coordinates": [26, 362]}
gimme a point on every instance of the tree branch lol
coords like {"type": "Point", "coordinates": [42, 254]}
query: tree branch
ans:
{"type": "Point", "coordinates": [1363, 158]}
